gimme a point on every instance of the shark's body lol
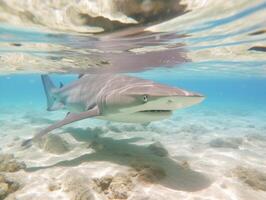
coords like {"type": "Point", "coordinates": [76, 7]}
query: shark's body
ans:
{"type": "Point", "coordinates": [116, 98]}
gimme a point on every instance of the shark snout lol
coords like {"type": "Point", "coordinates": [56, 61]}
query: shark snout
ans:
{"type": "Point", "coordinates": [179, 102]}
{"type": "Point", "coordinates": [195, 95]}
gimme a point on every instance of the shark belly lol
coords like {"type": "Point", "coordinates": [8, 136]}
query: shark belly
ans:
{"type": "Point", "coordinates": [138, 117]}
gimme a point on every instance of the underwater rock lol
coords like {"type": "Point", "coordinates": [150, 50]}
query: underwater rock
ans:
{"type": "Point", "coordinates": [120, 187]}
{"type": "Point", "coordinates": [9, 164]}
{"type": "Point", "coordinates": [230, 142]}
{"type": "Point", "coordinates": [3, 190]}
{"type": "Point", "coordinates": [103, 183]}
{"type": "Point", "coordinates": [114, 187]}
{"type": "Point", "coordinates": [54, 144]}
{"type": "Point", "coordinates": [251, 177]}
{"type": "Point", "coordinates": [158, 149]}
{"type": "Point", "coordinates": [78, 186]}
{"type": "Point", "coordinates": [7, 186]}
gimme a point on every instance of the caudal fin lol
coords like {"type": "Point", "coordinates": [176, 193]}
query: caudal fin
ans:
{"type": "Point", "coordinates": [49, 89]}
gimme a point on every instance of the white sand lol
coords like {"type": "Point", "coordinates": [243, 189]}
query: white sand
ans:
{"type": "Point", "coordinates": [204, 149]}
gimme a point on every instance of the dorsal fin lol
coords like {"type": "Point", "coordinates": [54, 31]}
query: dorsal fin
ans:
{"type": "Point", "coordinates": [61, 85]}
{"type": "Point", "coordinates": [80, 75]}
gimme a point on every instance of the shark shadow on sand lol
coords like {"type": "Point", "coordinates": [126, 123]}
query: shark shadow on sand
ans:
{"type": "Point", "coordinates": [125, 152]}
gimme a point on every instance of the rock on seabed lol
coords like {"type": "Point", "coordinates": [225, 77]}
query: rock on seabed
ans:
{"type": "Point", "coordinates": [114, 187]}
{"type": "Point", "coordinates": [254, 178]}
{"type": "Point", "coordinates": [8, 163]}
{"type": "Point", "coordinates": [7, 186]}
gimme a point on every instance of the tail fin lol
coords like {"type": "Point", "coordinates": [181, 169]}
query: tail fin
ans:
{"type": "Point", "coordinates": [49, 88]}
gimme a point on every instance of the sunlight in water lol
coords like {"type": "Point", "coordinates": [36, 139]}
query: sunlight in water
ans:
{"type": "Point", "coordinates": [190, 74]}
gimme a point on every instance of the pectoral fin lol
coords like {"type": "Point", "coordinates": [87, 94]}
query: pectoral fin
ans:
{"type": "Point", "coordinates": [71, 117]}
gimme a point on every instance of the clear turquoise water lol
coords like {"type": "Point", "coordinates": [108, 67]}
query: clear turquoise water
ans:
{"type": "Point", "coordinates": [216, 48]}
{"type": "Point", "coordinates": [229, 93]}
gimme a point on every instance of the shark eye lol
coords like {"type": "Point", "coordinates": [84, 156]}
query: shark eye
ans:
{"type": "Point", "coordinates": [145, 98]}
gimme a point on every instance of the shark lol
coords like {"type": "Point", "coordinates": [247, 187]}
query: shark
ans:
{"type": "Point", "coordinates": [114, 97]}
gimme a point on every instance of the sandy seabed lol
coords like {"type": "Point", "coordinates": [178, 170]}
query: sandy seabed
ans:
{"type": "Point", "coordinates": [198, 154]}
